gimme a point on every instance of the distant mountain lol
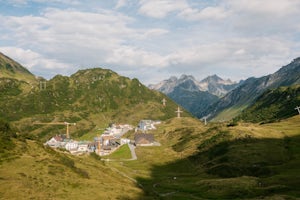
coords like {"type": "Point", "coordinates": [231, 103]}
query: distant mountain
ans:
{"type": "Point", "coordinates": [273, 105]}
{"type": "Point", "coordinates": [217, 86]}
{"type": "Point", "coordinates": [193, 95]}
{"type": "Point", "coordinates": [191, 98]}
{"type": "Point", "coordinates": [212, 84]}
{"type": "Point", "coordinates": [243, 96]}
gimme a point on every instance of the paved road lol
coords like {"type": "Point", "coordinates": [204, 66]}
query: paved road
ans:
{"type": "Point", "coordinates": [132, 150]}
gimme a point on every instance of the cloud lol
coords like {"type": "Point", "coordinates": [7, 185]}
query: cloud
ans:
{"type": "Point", "coordinates": [161, 8]}
{"type": "Point", "coordinates": [266, 7]}
{"type": "Point", "coordinates": [26, 2]}
{"type": "Point", "coordinates": [132, 57]}
{"type": "Point", "coordinates": [120, 4]}
{"type": "Point", "coordinates": [233, 38]}
{"type": "Point", "coordinates": [265, 17]}
{"type": "Point", "coordinates": [35, 61]}
{"type": "Point", "coordinates": [206, 13]}
{"type": "Point", "coordinates": [79, 38]}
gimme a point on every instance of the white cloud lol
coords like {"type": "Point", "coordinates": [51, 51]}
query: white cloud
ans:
{"type": "Point", "coordinates": [25, 2]}
{"type": "Point", "coordinates": [120, 4]}
{"type": "Point", "coordinates": [265, 17]}
{"type": "Point", "coordinates": [130, 56]}
{"type": "Point", "coordinates": [266, 7]}
{"type": "Point", "coordinates": [161, 8]}
{"type": "Point", "coordinates": [80, 39]}
{"type": "Point", "coordinates": [231, 38]}
{"type": "Point", "coordinates": [35, 62]}
{"type": "Point", "coordinates": [206, 13]}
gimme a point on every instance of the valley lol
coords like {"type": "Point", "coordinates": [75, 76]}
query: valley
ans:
{"type": "Point", "coordinates": [193, 162]}
{"type": "Point", "coordinates": [255, 155]}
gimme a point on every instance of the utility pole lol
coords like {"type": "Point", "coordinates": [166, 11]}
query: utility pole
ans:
{"type": "Point", "coordinates": [298, 109]}
{"type": "Point", "coordinates": [43, 85]}
{"type": "Point", "coordinates": [178, 111]}
{"type": "Point", "coordinates": [164, 101]}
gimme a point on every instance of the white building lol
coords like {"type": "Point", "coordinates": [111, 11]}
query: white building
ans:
{"type": "Point", "coordinates": [71, 146]}
{"type": "Point", "coordinates": [145, 125]}
{"type": "Point", "coordinates": [82, 147]}
{"type": "Point", "coordinates": [124, 141]}
{"type": "Point", "coordinates": [55, 141]}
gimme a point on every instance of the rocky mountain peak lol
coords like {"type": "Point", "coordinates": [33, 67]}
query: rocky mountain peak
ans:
{"type": "Point", "coordinates": [212, 84]}
{"type": "Point", "coordinates": [186, 77]}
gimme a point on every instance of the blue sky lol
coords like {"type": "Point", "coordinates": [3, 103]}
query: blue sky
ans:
{"type": "Point", "coordinates": [151, 39]}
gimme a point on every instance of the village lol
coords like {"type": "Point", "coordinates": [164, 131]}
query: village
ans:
{"type": "Point", "coordinates": [109, 141]}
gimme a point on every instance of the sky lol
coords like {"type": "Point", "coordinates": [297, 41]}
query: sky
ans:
{"type": "Point", "coordinates": [152, 39]}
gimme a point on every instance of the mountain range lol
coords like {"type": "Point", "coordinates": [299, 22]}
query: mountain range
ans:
{"type": "Point", "coordinates": [233, 103]}
{"type": "Point", "coordinates": [219, 99]}
{"type": "Point", "coordinates": [193, 95]}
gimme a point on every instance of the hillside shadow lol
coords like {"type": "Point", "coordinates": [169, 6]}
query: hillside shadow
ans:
{"type": "Point", "coordinates": [243, 168]}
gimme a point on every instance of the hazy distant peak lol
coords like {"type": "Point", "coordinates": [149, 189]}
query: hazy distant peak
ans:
{"type": "Point", "coordinates": [185, 77]}
{"type": "Point", "coordinates": [212, 84]}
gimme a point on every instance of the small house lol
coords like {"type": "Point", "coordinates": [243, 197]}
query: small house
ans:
{"type": "Point", "coordinates": [71, 146]}
{"type": "Point", "coordinates": [145, 125]}
{"type": "Point", "coordinates": [55, 141]}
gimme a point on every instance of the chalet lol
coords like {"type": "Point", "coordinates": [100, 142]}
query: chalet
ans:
{"type": "Point", "coordinates": [142, 139]}
{"type": "Point", "coordinates": [71, 146]}
{"type": "Point", "coordinates": [145, 125]}
{"type": "Point", "coordinates": [55, 141]}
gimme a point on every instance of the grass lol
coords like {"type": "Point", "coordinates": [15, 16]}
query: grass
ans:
{"type": "Point", "coordinates": [219, 162]}
{"type": "Point", "coordinates": [229, 113]}
{"type": "Point", "coordinates": [45, 174]}
{"type": "Point", "coordinates": [122, 152]}
{"type": "Point", "coordinates": [247, 161]}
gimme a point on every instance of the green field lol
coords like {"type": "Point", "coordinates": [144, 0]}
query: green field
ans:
{"type": "Point", "coordinates": [246, 161]}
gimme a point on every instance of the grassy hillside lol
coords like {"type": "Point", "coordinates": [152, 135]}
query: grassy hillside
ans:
{"type": "Point", "coordinates": [41, 173]}
{"type": "Point", "coordinates": [92, 98]}
{"type": "Point", "coordinates": [246, 161]}
{"type": "Point", "coordinates": [194, 161]}
{"type": "Point", "coordinates": [11, 69]}
{"type": "Point", "coordinates": [273, 105]}
{"type": "Point", "coordinates": [247, 93]}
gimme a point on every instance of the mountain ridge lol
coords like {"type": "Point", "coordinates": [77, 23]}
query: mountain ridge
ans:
{"type": "Point", "coordinates": [212, 84]}
{"type": "Point", "coordinates": [245, 94]}
{"type": "Point", "coordinates": [12, 69]}
{"type": "Point", "coordinates": [194, 95]}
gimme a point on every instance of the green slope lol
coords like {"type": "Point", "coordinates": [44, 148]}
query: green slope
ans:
{"type": "Point", "coordinates": [11, 69]}
{"type": "Point", "coordinates": [218, 162]}
{"type": "Point", "coordinates": [247, 161]}
{"type": "Point", "coordinates": [32, 171]}
{"type": "Point", "coordinates": [273, 105]}
{"type": "Point", "coordinates": [92, 98]}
